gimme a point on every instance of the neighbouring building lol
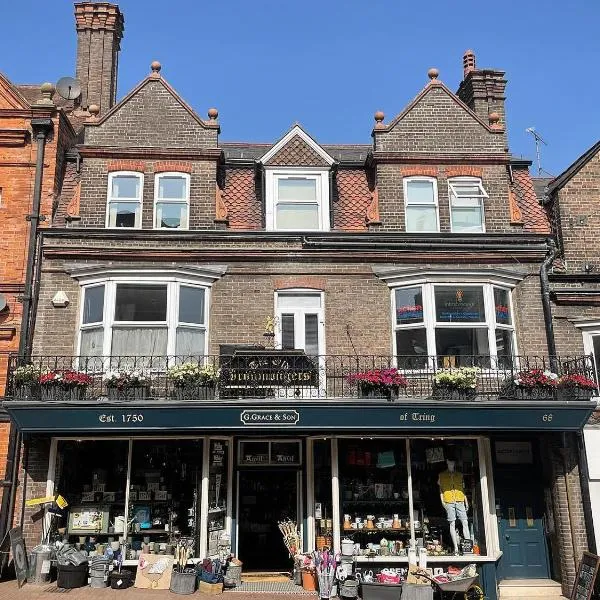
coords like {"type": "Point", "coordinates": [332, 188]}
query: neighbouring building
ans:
{"type": "Point", "coordinates": [571, 199]}
{"type": "Point", "coordinates": [254, 332]}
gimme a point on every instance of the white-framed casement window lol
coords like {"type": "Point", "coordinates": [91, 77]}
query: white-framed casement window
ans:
{"type": "Point", "coordinates": [300, 319]}
{"type": "Point", "coordinates": [143, 317]}
{"type": "Point", "coordinates": [124, 200]}
{"type": "Point", "coordinates": [421, 205]}
{"type": "Point", "coordinates": [466, 205]}
{"type": "Point", "coordinates": [461, 324]}
{"type": "Point", "coordinates": [171, 201]}
{"type": "Point", "coordinates": [297, 200]}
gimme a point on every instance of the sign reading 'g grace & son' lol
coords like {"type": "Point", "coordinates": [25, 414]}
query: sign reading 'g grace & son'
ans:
{"type": "Point", "coordinates": [270, 417]}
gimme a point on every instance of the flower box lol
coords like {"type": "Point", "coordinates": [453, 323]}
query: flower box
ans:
{"type": "Point", "coordinates": [458, 384]}
{"type": "Point", "coordinates": [378, 392]}
{"type": "Point", "coordinates": [378, 383]}
{"type": "Point", "coordinates": [191, 392]}
{"type": "Point", "coordinates": [27, 391]}
{"type": "Point", "coordinates": [128, 394]}
{"type": "Point", "coordinates": [448, 394]}
{"type": "Point", "coordinates": [54, 393]}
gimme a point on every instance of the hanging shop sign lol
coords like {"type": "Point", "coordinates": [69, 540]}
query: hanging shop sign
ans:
{"type": "Point", "coordinates": [258, 373]}
{"type": "Point", "coordinates": [514, 452]}
{"type": "Point", "coordinates": [306, 415]}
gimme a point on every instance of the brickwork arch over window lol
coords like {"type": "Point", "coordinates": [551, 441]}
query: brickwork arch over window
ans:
{"type": "Point", "coordinates": [124, 199]}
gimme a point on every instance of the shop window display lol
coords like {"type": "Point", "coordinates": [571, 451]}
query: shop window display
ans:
{"type": "Point", "coordinates": [92, 477]}
{"type": "Point", "coordinates": [217, 494]}
{"type": "Point", "coordinates": [164, 492]}
{"type": "Point", "coordinates": [323, 502]}
{"type": "Point", "coordinates": [431, 500]}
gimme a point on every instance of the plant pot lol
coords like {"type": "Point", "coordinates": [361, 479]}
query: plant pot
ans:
{"type": "Point", "coordinates": [448, 394]}
{"type": "Point", "coordinates": [56, 393]}
{"type": "Point", "coordinates": [128, 394]}
{"type": "Point", "coordinates": [194, 392]}
{"type": "Point", "coordinates": [27, 391]}
{"type": "Point", "coordinates": [71, 576]}
{"type": "Point", "coordinates": [309, 581]}
{"type": "Point", "coordinates": [521, 393]}
{"type": "Point", "coordinates": [183, 583]}
{"type": "Point", "coordinates": [378, 392]}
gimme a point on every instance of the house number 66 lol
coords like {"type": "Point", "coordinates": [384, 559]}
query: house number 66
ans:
{"type": "Point", "coordinates": [547, 417]}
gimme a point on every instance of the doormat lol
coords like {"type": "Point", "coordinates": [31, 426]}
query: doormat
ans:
{"type": "Point", "coordinates": [270, 587]}
{"type": "Point", "coordinates": [269, 576]}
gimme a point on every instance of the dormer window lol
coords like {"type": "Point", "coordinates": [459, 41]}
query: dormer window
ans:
{"type": "Point", "coordinates": [171, 201]}
{"type": "Point", "coordinates": [124, 207]}
{"type": "Point", "coordinates": [297, 200]}
{"type": "Point", "coordinates": [466, 205]}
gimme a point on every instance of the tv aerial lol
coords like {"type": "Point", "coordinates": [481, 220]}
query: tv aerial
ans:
{"type": "Point", "coordinates": [538, 153]}
{"type": "Point", "coordinates": [68, 88]}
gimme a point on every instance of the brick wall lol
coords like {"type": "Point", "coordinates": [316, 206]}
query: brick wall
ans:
{"type": "Point", "coordinates": [94, 189]}
{"type": "Point", "coordinates": [33, 476]}
{"type": "Point", "coordinates": [494, 178]}
{"type": "Point", "coordinates": [580, 218]}
{"type": "Point", "coordinates": [4, 435]}
{"type": "Point", "coordinates": [152, 118]}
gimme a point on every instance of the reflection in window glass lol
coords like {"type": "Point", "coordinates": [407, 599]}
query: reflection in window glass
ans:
{"type": "Point", "coordinates": [322, 498]}
{"type": "Point", "coordinates": [411, 347]}
{"type": "Point", "coordinates": [502, 306]}
{"type": "Point", "coordinates": [126, 186]}
{"type": "Point", "coordinates": [93, 304]}
{"type": "Point", "coordinates": [459, 304]}
{"type": "Point", "coordinates": [172, 187]}
{"type": "Point", "coordinates": [460, 345]}
{"type": "Point", "coordinates": [139, 302]}
{"type": "Point", "coordinates": [409, 306]}
{"type": "Point", "coordinates": [191, 305]}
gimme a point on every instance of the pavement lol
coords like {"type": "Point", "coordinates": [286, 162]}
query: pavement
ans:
{"type": "Point", "coordinates": [10, 591]}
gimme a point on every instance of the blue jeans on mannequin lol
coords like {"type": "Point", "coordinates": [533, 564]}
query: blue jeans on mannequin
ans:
{"type": "Point", "coordinates": [454, 511]}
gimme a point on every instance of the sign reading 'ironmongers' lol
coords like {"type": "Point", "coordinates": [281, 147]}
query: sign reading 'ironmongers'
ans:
{"type": "Point", "coordinates": [270, 418]}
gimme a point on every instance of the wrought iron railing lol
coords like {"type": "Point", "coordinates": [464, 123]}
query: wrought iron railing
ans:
{"type": "Point", "coordinates": [276, 374]}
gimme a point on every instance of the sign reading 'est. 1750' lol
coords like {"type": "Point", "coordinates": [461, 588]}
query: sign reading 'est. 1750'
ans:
{"type": "Point", "coordinates": [270, 417]}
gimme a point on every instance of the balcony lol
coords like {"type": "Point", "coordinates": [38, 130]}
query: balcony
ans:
{"type": "Point", "coordinates": [271, 375]}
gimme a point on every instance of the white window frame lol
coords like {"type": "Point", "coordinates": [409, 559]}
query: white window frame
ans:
{"type": "Point", "coordinates": [436, 204]}
{"type": "Point", "coordinates": [110, 200]}
{"type": "Point", "coordinates": [299, 312]}
{"type": "Point", "coordinates": [430, 322]}
{"type": "Point", "coordinates": [185, 200]}
{"type": "Point", "coordinates": [171, 322]}
{"type": "Point", "coordinates": [457, 181]}
{"type": "Point", "coordinates": [272, 178]}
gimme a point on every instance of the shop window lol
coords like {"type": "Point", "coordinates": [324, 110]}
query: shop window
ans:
{"type": "Point", "coordinates": [323, 505]}
{"type": "Point", "coordinates": [218, 461]}
{"type": "Point", "coordinates": [462, 325]}
{"type": "Point", "coordinates": [92, 477]}
{"type": "Point", "coordinates": [144, 318]}
{"type": "Point", "coordinates": [171, 201]}
{"type": "Point", "coordinates": [124, 200]}
{"type": "Point", "coordinates": [164, 492]}
{"type": "Point", "coordinates": [431, 500]}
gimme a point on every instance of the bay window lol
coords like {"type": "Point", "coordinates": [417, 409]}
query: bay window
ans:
{"type": "Point", "coordinates": [171, 201]}
{"type": "Point", "coordinates": [124, 207]}
{"type": "Point", "coordinates": [466, 205]}
{"type": "Point", "coordinates": [462, 325]}
{"type": "Point", "coordinates": [421, 205]}
{"type": "Point", "coordinates": [143, 318]}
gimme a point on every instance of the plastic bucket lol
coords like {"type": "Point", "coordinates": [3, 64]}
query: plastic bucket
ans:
{"type": "Point", "coordinates": [309, 581]}
{"type": "Point", "coordinates": [71, 576]}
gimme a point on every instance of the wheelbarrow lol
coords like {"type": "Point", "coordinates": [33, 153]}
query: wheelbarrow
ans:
{"type": "Point", "coordinates": [463, 588]}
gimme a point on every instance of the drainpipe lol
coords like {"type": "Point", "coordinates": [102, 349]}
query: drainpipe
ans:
{"type": "Point", "coordinates": [545, 288]}
{"type": "Point", "coordinates": [41, 128]}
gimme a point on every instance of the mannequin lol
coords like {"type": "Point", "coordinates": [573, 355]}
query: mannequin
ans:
{"type": "Point", "coordinates": [454, 501]}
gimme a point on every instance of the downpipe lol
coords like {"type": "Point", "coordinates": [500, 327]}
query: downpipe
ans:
{"type": "Point", "coordinates": [545, 289]}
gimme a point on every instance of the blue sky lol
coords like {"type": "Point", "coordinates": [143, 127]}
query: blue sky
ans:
{"type": "Point", "coordinates": [329, 65]}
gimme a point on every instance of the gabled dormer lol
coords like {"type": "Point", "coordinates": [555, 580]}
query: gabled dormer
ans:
{"type": "Point", "coordinates": [297, 188]}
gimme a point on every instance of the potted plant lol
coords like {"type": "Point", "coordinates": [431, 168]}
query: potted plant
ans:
{"type": "Point", "coordinates": [126, 385]}
{"type": "Point", "coordinates": [576, 386]}
{"type": "Point", "coordinates": [531, 384]}
{"type": "Point", "coordinates": [64, 385]}
{"type": "Point", "coordinates": [455, 384]}
{"type": "Point", "coordinates": [193, 381]}
{"type": "Point", "coordinates": [26, 379]}
{"type": "Point", "coordinates": [379, 383]}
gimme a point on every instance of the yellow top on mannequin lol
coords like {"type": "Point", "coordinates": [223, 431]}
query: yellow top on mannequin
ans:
{"type": "Point", "coordinates": [452, 486]}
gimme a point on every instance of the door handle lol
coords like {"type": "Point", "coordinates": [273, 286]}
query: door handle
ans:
{"type": "Point", "coordinates": [506, 536]}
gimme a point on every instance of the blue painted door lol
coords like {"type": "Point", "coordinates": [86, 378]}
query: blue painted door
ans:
{"type": "Point", "coordinates": [521, 528]}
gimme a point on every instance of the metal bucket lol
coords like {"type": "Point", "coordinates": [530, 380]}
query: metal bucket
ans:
{"type": "Point", "coordinates": [183, 583]}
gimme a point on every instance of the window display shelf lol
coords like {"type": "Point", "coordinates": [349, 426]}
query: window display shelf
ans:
{"type": "Point", "coordinates": [375, 501]}
{"type": "Point", "coordinates": [467, 558]}
{"type": "Point", "coordinates": [363, 531]}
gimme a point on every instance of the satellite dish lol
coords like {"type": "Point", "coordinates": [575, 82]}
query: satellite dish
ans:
{"type": "Point", "coordinates": [69, 88]}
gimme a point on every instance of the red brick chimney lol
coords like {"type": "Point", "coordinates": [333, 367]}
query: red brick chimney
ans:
{"type": "Point", "coordinates": [99, 31]}
{"type": "Point", "coordinates": [482, 90]}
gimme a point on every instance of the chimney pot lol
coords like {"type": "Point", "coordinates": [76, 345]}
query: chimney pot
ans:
{"type": "Point", "coordinates": [468, 62]}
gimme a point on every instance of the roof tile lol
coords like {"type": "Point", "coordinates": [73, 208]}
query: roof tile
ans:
{"type": "Point", "coordinates": [535, 218]}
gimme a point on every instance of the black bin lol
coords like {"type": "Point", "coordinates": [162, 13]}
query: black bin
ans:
{"type": "Point", "coordinates": [71, 576]}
